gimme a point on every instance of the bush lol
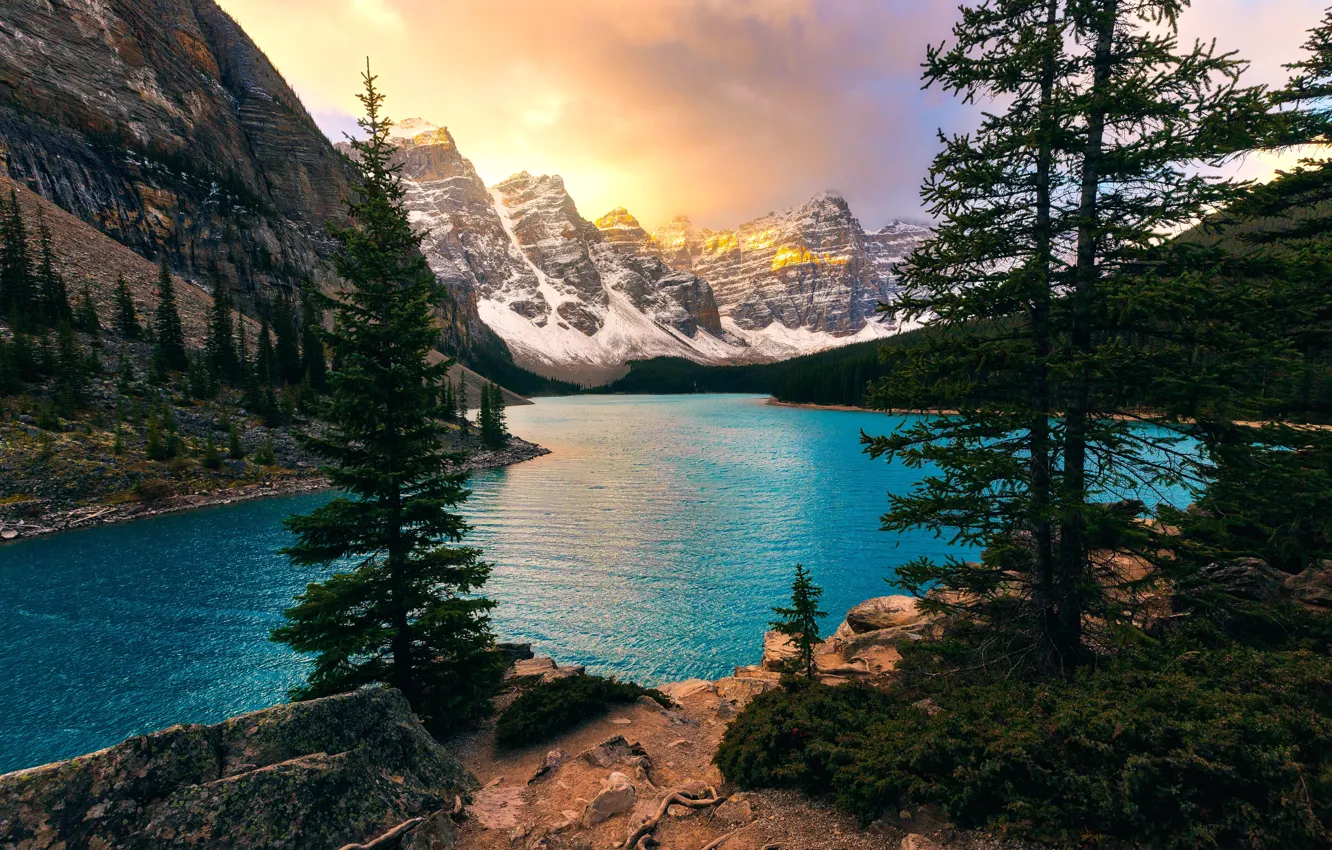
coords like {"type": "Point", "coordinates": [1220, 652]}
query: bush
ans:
{"type": "Point", "coordinates": [1216, 748]}
{"type": "Point", "coordinates": [153, 490]}
{"type": "Point", "coordinates": [552, 707]}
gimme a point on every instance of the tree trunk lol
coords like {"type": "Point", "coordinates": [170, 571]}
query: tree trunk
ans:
{"type": "Point", "coordinates": [1043, 556]}
{"type": "Point", "coordinates": [1072, 579]}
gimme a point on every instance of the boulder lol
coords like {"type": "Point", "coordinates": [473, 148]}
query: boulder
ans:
{"type": "Point", "coordinates": [617, 795]}
{"type": "Point", "coordinates": [778, 652]}
{"type": "Point", "coordinates": [736, 810]}
{"type": "Point", "coordinates": [613, 751]}
{"type": "Point", "coordinates": [1311, 588]}
{"type": "Point", "coordinates": [316, 774]}
{"type": "Point", "coordinates": [884, 612]}
{"type": "Point", "coordinates": [1245, 578]}
{"type": "Point", "coordinates": [529, 671]}
{"type": "Point", "coordinates": [916, 841]}
{"type": "Point", "coordinates": [680, 691]}
{"type": "Point", "coordinates": [553, 760]}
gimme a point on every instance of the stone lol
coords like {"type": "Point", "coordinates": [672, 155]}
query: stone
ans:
{"type": "Point", "coordinates": [676, 810]}
{"type": "Point", "coordinates": [884, 612]}
{"type": "Point", "coordinates": [553, 760]}
{"type": "Point", "coordinates": [436, 832]}
{"type": "Point", "coordinates": [1245, 578]}
{"type": "Point", "coordinates": [613, 751]}
{"type": "Point", "coordinates": [651, 704]}
{"type": "Point", "coordinates": [916, 841]}
{"type": "Point", "coordinates": [1311, 588]}
{"type": "Point", "coordinates": [617, 795]}
{"type": "Point", "coordinates": [736, 810]}
{"type": "Point", "coordinates": [740, 690]}
{"type": "Point", "coordinates": [541, 669]}
{"type": "Point", "coordinates": [339, 768]}
{"type": "Point", "coordinates": [681, 691]}
{"type": "Point", "coordinates": [778, 651]}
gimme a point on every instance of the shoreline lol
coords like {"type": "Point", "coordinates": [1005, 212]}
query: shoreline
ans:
{"type": "Point", "coordinates": [92, 516]}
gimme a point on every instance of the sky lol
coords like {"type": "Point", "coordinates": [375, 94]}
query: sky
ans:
{"type": "Point", "coordinates": [721, 110]}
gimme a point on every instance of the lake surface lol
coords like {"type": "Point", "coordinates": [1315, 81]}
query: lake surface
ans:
{"type": "Point", "coordinates": [650, 545]}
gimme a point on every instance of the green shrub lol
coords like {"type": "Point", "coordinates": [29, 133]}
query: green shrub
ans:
{"type": "Point", "coordinates": [1221, 748]}
{"type": "Point", "coordinates": [552, 707]}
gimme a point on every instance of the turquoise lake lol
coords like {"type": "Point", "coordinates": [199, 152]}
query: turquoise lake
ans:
{"type": "Point", "coordinates": [650, 545]}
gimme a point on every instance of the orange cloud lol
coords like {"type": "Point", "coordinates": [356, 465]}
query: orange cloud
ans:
{"type": "Point", "coordinates": [720, 109]}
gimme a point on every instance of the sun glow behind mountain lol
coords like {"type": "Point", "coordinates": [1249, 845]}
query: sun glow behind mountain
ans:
{"type": "Point", "coordinates": [721, 109]}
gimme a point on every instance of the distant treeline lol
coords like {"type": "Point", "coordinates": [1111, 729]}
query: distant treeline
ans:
{"type": "Point", "coordinates": [837, 376]}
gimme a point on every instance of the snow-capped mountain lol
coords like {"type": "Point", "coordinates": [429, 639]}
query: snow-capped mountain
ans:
{"type": "Point", "coordinates": [577, 300]}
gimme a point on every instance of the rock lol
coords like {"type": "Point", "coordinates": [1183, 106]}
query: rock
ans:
{"type": "Point", "coordinates": [436, 832]}
{"type": "Point", "coordinates": [681, 691]}
{"type": "Point", "coordinates": [315, 774]}
{"type": "Point", "coordinates": [651, 704]}
{"type": "Point", "coordinates": [928, 706]}
{"type": "Point", "coordinates": [778, 651]}
{"type": "Point", "coordinates": [621, 721]}
{"type": "Point", "coordinates": [553, 760]}
{"type": "Point", "coordinates": [916, 841]}
{"type": "Point", "coordinates": [736, 811]}
{"type": "Point", "coordinates": [515, 651]}
{"type": "Point", "coordinates": [725, 708]}
{"type": "Point", "coordinates": [617, 795]}
{"type": "Point", "coordinates": [1245, 578]}
{"type": "Point", "coordinates": [739, 691]}
{"type": "Point", "coordinates": [543, 669]}
{"type": "Point", "coordinates": [884, 612]}
{"type": "Point", "coordinates": [676, 810]}
{"type": "Point", "coordinates": [613, 751]}
{"type": "Point", "coordinates": [1311, 588]}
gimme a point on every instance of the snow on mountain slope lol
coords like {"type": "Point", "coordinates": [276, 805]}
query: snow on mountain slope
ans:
{"type": "Point", "coordinates": [577, 300]}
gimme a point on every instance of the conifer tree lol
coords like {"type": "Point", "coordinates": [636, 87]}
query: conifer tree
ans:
{"type": "Point", "coordinates": [212, 458]}
{"type": "Point", "coordinates": [800, 622]}
{"type": "Point", "coordinates": [53, 295]}
{"type": "Point", "coordinates": [10, 383]}
{"type": "Point", "coordinates": [265, 367]}
{"type": "Point", "coordinates": [16, 290]}
{"type": "Point", "coordinates": [483, 421]}
{"type": "Point", "coordinates": [69, 372]}
{"type": "Point", "coordinates": [408, 614]}
{"type": "Point", "coordinates": [286, 349]}
{"type": "Point", "coordinates": [169, 349]}
{"type": "Point", "coordinates": [1056, 301]}
{"type": "Point", "coordinates": [500, 421]}
{"type": "Point", "coordinates": [220, 343]}
{"type": "Point", "coordinates": [461, 396]}
{"type": "Point", "coordinates": [235, 450]}
{"type": "Point", "coordinates": [127, 319]}
{"type": "Point", "coordinates": [313, 365]}
{"type": "Point", "coordinates": [86, 316]}
{"type": "Point", "coordinates": [155, 446]}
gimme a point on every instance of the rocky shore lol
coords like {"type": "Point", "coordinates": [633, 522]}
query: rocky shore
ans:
{"type": "Point", "coordinates": [291, 483]}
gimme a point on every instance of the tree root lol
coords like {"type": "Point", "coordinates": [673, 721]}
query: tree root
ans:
{"type": "Point", "coordinates": [388, 839]}
{"type": "Point", "coordinates": [677, 798]}
{"type": "Point", "coordinates": [717, 842]}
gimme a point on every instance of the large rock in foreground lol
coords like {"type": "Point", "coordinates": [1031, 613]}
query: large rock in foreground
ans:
{"type": "Point", "coordinates": [316, 774]}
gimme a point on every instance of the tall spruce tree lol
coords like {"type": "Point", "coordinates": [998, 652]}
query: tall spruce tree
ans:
{"type": "Point", "coordinates": [407, 613]}
{"type": "Point", "coordinates": [220, 344]}
{"type": "Point", "coordinates": [127, 318]}
{"type": "Point", "coordinates": [313, 365]}
{"type": "Point", "coordinates": [286, 348]}
{"type": "Point", "coordinates": [17, 297]}
{"type": "Point", "coordinates": [1054, 298]}
{"type": "Point", "coordinates": [265, 361]}
{"type": "Point", "coordinates": [52, 293]}
{"type": "Point", "coordinates": [168, 332]}
{"type": "Point", "coordinates": [86, 316]}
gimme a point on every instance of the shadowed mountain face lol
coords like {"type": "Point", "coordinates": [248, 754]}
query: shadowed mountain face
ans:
{"type": "Point", "coordinates": [163, 125]}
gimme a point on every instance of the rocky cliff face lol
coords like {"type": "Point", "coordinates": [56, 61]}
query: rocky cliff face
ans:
{"type": "Point", "coordinates": [566, 302]}
{"type": "Point", "coordinates": [317, 774]}
{"type": "Point", "coordinates": [161, 123]}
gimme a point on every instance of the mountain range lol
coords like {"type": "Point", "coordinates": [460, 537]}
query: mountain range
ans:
{"type": "Point", "coordinates": [160, 123]}
{"type": "Point", "coordinates": [577, 299]}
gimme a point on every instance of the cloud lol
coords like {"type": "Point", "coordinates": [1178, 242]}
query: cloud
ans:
{"type": "Point", "coordinates": [721, 109]}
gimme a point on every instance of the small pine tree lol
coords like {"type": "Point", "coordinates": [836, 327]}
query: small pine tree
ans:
{"type": "Point", "coordinates": [86, 317]}
{"type": "Point", "coordinates": [127, 318]}
{"type": "Point", "coordinates": [499, 424]}
{"type": "Point", "coordinates": [118, 445]}
{"type": "Point", "coordinates": [212, 458]}
{"type": "Point", "coordinates": [266, 455]}
{"type": "Point", "coordinates": [800, 622]}
{"type": "Point", "coordinates": [235, 450]}
{"type": "Point", "coordinates": [483, 416]}
{"type": "Point", "coordinates": [461, 395]}
{"type": "Point", "coordinates": [155, 448]}
{"type": "Point", "coordinates": [169, 350]}
{"type": "Point", "coordinates": [198, 380]}
{"type": "Point", "coordinates": [265, 367]}
{"type": "Point", "coordinates": [9, 375]}
{"type": "Point", "coordinates": [286, 349]}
